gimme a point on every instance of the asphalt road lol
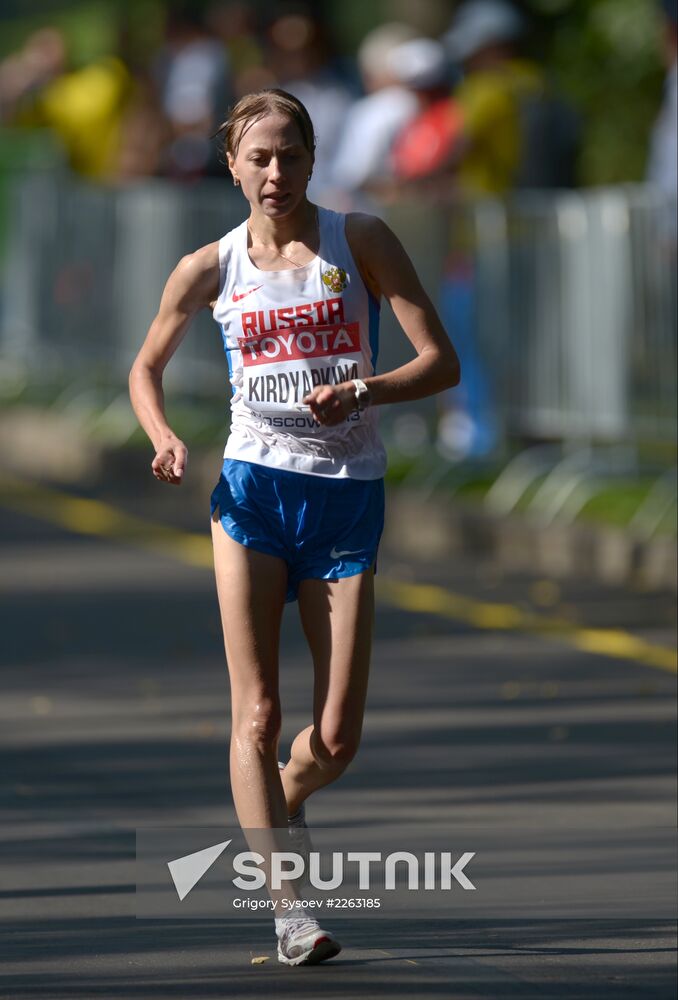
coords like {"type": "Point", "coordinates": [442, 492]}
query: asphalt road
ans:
{"type": "Point", "coordinates": [497, 702]}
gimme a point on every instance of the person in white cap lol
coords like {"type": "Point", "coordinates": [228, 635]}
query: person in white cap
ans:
{"type": "Point", "coordinates": [426, 144]}
{"type": "Point", "coordinates": [371, 125]}
{"type": "Point", "coordinates": [480, 26]}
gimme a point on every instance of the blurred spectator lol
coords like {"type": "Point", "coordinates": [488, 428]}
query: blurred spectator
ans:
{"type": "Point", "coordinates": [144, 134]}
{"type": "Point", "coordinates": [23, 74]}
{"type": "Point", "coordinates": [662, 168]}
{"type": "Point", "coordinates": [425, 144]}
{"type": "Point", "coordinates": [517, 133]}
{"type": "Point", "coordinates": [301, 61]}
{"type": "Point", "coordinates": [84, 107]}
{"type": "Point", "coordinates": [234, 24]}
{"type": "Point", "coordinates": [193, 77]}
{"type": "Point", "coordinates": [364, 154]}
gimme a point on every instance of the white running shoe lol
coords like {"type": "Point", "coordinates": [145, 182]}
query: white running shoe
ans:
{"type": "Point", "coordinates": [301, 941]}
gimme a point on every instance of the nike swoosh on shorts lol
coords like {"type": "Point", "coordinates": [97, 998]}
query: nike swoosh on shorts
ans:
{"type": "Point", "coordinates": [345, 552]}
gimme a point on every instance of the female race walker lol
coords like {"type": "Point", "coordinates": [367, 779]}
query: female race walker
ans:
{"type": "Point", "coordinates": [298, 510]}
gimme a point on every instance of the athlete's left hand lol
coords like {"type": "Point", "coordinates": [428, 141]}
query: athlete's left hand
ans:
{"type": "Point", "coordinates": [330, 404]}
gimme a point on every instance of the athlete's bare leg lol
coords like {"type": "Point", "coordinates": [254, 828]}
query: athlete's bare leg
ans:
{"type": "Point", "coordinates": [337, 617]}
{"type": "Point", "coordinates": [251, 587]}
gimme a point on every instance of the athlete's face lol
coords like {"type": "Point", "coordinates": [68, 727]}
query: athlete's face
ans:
{"type": "Point", "coordinates": [272, 165]}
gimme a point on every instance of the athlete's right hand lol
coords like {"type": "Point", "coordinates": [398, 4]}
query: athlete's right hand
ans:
{"type": "Point", "coordinates": [170, 461]}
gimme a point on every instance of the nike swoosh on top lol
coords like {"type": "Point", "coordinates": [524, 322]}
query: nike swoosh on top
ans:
{"type": "Point", "coordinates": [345, 552]}
{"type": "Point", "coordinates": [237, 298]}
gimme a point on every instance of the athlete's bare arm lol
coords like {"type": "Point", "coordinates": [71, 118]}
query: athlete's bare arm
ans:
{"type": "Point", "coordinates": [387, 271]}
{"type": "Point", "coordinates": [193, 285]}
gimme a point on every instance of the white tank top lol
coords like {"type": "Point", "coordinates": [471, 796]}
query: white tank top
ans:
{"type": "Point", "coordinates": [284, 333]}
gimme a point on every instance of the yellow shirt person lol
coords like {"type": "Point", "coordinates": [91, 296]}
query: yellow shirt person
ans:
{"type": "Point", "coordinates": [490, 101]}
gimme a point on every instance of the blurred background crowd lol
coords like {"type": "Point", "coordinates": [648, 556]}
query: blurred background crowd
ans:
{"type": "Point", "coordinates": [483, 95]}
{"type": "Point", "coordinates": [524, 150]}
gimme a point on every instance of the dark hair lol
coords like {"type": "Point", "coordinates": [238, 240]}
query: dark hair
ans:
{"type": "Point", "coordinates": [252, 107]}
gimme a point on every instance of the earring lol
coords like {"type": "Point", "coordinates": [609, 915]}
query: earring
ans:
{"type": "Point", "coordinates": [236, 182]}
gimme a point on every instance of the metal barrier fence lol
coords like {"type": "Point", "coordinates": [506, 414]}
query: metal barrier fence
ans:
{"type": "Point", "coordinates": [564, 304]}
{"type": "Point", "coordinates": [577, 297]}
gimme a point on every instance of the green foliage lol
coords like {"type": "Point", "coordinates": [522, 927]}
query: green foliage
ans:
{"type": "Point", "coordinates": [91, 27]}
{"type": "Point", "coordinates": [617, 504]}
{"type": "Point", "coordinates": [607, 57]}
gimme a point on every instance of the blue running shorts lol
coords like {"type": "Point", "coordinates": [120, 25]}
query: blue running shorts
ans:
{"type": "Point", "coordinates": [323, 528]}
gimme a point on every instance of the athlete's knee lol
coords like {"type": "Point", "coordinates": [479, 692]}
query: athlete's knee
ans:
{"type": "Point", "coordinates": [257, 721]}
{"type": "Point", "coordinates": [334, 748]}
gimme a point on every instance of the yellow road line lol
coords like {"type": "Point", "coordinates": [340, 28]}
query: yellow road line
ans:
{"type": "Point", "coordinates": [606, 642]}
{"type": "Point", "coordinates": [94, 517]}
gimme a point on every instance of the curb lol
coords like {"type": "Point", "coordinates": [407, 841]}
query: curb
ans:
{"type": "Point", "coordinates": [54, 447]}
{"type": "Point", "coordinates": [432, 530]}
{"type": "Point", "coordinates": [51, 447]}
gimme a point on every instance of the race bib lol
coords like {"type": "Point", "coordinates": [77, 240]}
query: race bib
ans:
{"type": "Point", "coordinates": [282, 366]}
